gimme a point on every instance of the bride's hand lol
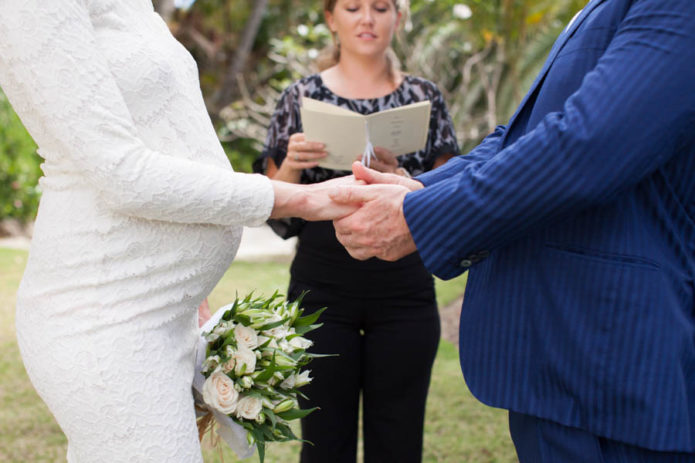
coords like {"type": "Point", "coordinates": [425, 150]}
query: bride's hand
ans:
{"type": "Point", "coordinates": [311, 202]}
{"type": "Point", "coordinates": [203, 312]}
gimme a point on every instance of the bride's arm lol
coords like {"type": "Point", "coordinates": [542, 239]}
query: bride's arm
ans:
{"type": "Point", "coordinates": [62, 88]}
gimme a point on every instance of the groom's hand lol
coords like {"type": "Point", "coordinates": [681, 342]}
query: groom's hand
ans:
{"type": "Point", "coordinates": [371, 176]}
{"type": "Point", "coordinates": [378, 228]}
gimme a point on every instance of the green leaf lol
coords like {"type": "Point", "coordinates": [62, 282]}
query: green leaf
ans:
{"type": "Point", "coordinates": [272, 325]}
{"type": "Point", "coordinates": [309, 319]}
{"type": "Point", "coordinates": [267, 374]}
{"type": "Point", "coordinates": [260, 445]}
{"type": "Point", "coordinates": [305, 329]}
{"type": "Point", "coordinates": [273, 418]}
{"type": "Point", "coordinates": [296, 413]}
{"type": "Point", "coordinates": [287, 431]}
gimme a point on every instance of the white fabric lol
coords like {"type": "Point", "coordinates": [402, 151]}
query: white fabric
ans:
{"type": "Point", "coordinates": [141, 215]}
{"type": "Point", "coordinates": [232, 433]}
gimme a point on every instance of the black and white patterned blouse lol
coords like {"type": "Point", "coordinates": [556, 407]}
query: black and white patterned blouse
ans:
{"type": "Point", "coordinates": [286, 121]}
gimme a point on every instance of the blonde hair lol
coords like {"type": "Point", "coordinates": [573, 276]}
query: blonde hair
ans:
{"type": "Point", "coordinates": [330, 56]}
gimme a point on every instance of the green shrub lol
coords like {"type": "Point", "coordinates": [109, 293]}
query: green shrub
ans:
{"type": "Point", "coordinates": [19, 167]}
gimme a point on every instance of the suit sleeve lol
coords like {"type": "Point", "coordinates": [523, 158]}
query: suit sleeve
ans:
{"type": "Point", "coordinates": [62, 88]}
{"type": "Point", "coordinates": [633, 112]}
{"type": "Point", "coordinates": [485, 150]}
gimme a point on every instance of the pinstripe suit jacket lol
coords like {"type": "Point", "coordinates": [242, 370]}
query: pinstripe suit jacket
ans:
{"type": "Point", "coordinates": [577, 220]}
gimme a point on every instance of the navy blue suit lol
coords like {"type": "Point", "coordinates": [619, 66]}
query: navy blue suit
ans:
{"type": "Point", "coordinates": [577, 221]}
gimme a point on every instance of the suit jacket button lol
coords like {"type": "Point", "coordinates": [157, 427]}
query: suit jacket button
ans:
{"type": "Point", "coordinates": [466, 263]}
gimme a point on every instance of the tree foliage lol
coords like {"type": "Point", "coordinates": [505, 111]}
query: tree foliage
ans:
{"type": "Point", "coordinates": [19, 167]}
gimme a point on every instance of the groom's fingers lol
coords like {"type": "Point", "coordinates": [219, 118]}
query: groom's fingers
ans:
{"type": "Point", "coordinates": [366, 174]}
{"type": "Point", "coordinates": [371, 176]}
{"type": "Point", "coordinates": [349, 194]}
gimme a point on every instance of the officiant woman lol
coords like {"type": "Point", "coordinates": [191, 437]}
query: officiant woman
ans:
{"type": "Point", "coordinates": [382, 317]}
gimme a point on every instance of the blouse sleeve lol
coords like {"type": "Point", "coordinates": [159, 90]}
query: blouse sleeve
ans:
{"type": "Point", "coordinates": [286, 120]}
{"type": "Point", "coordinates": [62, 88]}
{"type": "Point", "coordinates": [441, 138]}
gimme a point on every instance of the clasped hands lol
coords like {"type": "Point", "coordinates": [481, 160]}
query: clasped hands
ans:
{"type": "Point", "coordinates": [377, 227]}
{"type": "Point", "coordinates": [366, 209]}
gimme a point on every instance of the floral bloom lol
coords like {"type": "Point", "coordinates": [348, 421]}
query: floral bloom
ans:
{"type": "Point", "coordinates": [253, 364]}
{"type": "Point", "coordinates": [219, 393]}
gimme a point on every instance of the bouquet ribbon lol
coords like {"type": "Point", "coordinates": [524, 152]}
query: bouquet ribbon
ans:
{"type": "Point", "coordinates": [232, 433]}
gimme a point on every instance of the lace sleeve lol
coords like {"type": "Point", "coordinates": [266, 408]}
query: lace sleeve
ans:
{"type": "Point", "coordinates": [62, 89]}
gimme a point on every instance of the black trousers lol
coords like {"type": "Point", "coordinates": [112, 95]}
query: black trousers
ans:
{"type": "Point", "coordinates": [386, 349]}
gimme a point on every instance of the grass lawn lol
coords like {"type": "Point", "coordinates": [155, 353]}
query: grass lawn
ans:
{"type": "Point", "coordinates": [458, 428]}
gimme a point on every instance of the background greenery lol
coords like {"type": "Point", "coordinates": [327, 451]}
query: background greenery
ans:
{"type": "Point", "coordinates": [457, 428]}
{"type": "Point", "coordinates": [483, 54]}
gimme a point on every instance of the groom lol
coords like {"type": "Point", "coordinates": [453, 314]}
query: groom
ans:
{"type": "Point", "coordinates": [577, 222]}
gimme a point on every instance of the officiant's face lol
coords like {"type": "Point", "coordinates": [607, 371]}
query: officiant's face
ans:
{"type": "Point", "coordinates": [364, 27]}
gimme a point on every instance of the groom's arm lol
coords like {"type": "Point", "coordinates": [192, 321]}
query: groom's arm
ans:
{"type": "Point", "coordinates": [481, 153]}
{"type": "Point", "coordinates": [633, 111]}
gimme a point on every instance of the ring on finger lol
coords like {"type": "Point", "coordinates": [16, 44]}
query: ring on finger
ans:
{"type": "Point", "coordinates": [296, 157]}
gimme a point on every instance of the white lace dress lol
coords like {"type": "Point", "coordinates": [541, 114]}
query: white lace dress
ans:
{"type": "Point", "coordinates": [141, 215]}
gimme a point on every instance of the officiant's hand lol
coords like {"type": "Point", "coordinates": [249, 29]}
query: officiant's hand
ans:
{"type": "Point", "coordinates": [301, 154]}
{"type": "Point", "coordinates": [385, 161]}
{"type": "Point", "coordinates": [378, 228]}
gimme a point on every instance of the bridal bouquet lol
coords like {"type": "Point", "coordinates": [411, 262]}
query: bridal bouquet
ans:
{"type": "Point", "coordinates": [250, 359]}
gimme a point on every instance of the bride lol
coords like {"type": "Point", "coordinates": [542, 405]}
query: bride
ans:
{"type": "Point", "coordinates": [141, 215]}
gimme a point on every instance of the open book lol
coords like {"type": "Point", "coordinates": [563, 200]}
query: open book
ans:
{"type": "Point", "coordinates": [347, 134]}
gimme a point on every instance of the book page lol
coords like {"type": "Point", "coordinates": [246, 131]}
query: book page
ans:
{"type": "Point", "coordinates": [401, 130]}
{"type": "Point", "coordinates": [344, 135]}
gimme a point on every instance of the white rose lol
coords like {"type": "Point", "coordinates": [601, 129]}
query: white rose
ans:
{"type": "Point", "coordinates": [246, 337]}
{"type": "Point", "coordinates": [300, 343]}
{"type": "Point", "coordinates": [244, 357]}
{"type": "Point", "coordinates": [249, 407]}
{"type": "Point", "coordinates": [219, 393]}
